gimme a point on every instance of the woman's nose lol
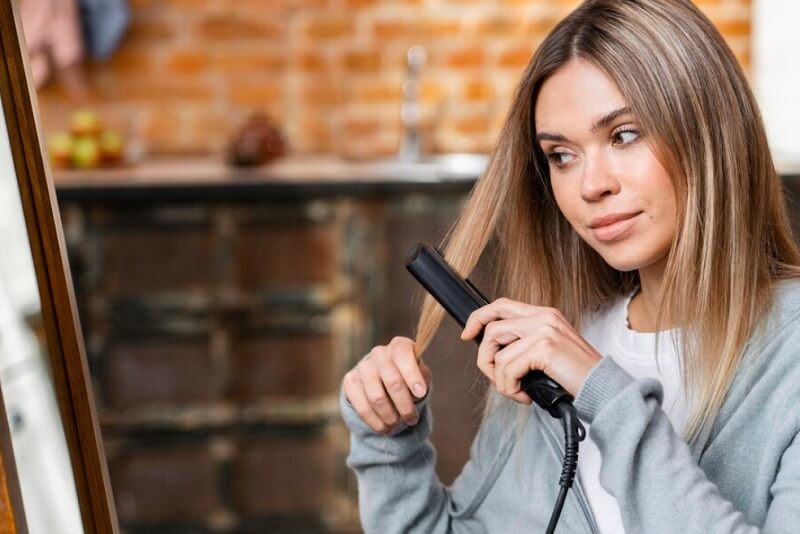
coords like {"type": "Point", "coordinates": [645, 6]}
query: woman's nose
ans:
{"type": "Point", "coordinates": [599, 178]}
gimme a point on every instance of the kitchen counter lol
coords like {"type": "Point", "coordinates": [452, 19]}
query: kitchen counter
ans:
{"type": "Point", "coordinates": [210, 177]}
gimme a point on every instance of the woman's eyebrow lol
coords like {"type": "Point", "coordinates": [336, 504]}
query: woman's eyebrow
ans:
{"type": "Point", "coordinates": [604, 121]}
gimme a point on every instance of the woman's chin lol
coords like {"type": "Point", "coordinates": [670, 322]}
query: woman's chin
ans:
{"type": "Point", "coordinates": [625, 264]}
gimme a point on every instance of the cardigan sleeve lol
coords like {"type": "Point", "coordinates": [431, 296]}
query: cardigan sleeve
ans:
{"type": "Point", "coordinates": [398, 490]}
{"type": "Point", "coordinates": [651, 472]}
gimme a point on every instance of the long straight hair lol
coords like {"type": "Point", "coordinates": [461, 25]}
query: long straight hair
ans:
{"type": "Point", "coordinates": [733, 238]}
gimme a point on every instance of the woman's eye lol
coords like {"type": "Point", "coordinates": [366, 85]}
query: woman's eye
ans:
{"type": "Point", "coordinates": [556, 158]}
{"type": "Point", "coordinates": [626, 136]}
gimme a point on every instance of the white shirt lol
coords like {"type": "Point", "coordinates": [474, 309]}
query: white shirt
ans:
{"type": "Point", "coordinates": [608, 331]}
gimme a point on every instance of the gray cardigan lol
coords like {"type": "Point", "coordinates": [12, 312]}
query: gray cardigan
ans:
{"type": "Point", "coordinates": [744, 476]}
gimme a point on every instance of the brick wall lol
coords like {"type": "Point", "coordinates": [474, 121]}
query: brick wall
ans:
{"type": "Point", "coordinates": [329, 71]}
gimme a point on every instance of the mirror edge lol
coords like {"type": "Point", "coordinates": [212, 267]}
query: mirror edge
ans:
{"type": "Point", "coordinates": [59, 313]}
{"type": "Point", "coordinates": [12, 511]}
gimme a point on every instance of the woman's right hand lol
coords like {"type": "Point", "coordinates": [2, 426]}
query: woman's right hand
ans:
{"type": "Point", "coordinates": [384, 385]}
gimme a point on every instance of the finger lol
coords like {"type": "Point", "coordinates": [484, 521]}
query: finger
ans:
{"type": "Point", "coordinates": [426, 373]}
{"type": "Point", "coordinates": [502, 308]}
{"type": "Point", "coordinates": [497, 335]}
{"type": "Point", "coordinates": [522, 398]}
{"type": "Point", "coordinates": [398, 392]}
{"type": "Point", "coordinates": [354, 391]}
{"type": "Point", "coordinates": [409, 367]}
{"type": "Point", "coordinates": [486, 352]}
{"type": "Point", "coordinates": [401, 340]}
{"type": "Point", "coordinates": [503, 359]}
{"type": "Point", "coordinates": [376, 394]}
{"type": "Point", "coordinates": [526, 360]}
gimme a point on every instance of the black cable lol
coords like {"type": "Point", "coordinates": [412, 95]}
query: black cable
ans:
{"type": "Point", "coordinates": [574, 432]}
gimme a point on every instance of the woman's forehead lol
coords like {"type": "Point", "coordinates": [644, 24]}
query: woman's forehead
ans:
{"type": "Point", "coordinates": [578, 94]}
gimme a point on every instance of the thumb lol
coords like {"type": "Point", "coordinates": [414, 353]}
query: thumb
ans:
{"type": "Point", "coordinates": [426, 373]}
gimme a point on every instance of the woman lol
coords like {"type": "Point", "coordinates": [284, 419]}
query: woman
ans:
{"type": "Point", "coordinates": [631, 194]}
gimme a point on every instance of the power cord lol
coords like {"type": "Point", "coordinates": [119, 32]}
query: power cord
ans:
{"type": "Point", "coordinates": [574, 432]}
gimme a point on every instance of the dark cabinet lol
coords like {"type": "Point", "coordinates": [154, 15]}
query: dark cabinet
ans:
{"type": "Point", "coordinates": [218, 329]}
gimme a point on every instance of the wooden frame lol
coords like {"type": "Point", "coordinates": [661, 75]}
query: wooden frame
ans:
{"type": "Point", "coordinates": [59, 315]}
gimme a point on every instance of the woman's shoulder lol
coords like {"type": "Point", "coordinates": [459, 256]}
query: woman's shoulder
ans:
{"type": "Point", "coordinates": [785, 306]}
{"type": "Point", "coordinates": [779, 331]}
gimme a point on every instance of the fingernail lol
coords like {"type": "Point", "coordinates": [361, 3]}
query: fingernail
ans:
{"type": "Point", "coordinates": [419, 389]}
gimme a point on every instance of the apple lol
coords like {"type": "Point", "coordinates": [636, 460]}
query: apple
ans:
{"type": "Point", "coordinates": [85, 152]}
{"type": "Point", "coordinates": [111, 147]}
{"type": "Point", "coordinates": [85, 122]}
{"type": "Point", "coordinates": [59, 148]}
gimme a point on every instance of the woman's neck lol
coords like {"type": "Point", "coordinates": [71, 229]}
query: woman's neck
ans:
{"type": "Point", "coordinates": [643, 307]}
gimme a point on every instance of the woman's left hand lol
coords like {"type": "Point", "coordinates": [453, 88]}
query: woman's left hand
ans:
{"type": "Point", "coordinates": [520, 337]}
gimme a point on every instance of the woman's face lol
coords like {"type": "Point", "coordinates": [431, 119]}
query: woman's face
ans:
{"type": "Point", "coordinates": [602, 167]}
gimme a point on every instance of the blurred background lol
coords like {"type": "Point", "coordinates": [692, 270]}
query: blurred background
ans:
{"type": "Point", "coordinates": [240, 182]}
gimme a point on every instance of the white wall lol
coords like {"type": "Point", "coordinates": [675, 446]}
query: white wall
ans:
{"type": "Point", "coordinates": [776, 74]}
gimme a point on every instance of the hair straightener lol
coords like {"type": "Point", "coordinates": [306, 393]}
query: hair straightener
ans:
{"type": "Point", "coordinates": [459, 297]}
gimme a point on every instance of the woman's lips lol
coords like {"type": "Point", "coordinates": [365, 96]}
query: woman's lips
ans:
{"type": "Point", "coordinates": [610, 232]}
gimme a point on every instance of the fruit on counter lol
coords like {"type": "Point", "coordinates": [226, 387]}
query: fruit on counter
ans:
{"type": "Point", "coordinates": [257, 141]}
{"type": "Point", "coordinates": [59, 148]}
{"type": "Point", "coordinates": [87, 145]}
{"type": "Point", "coordinates": [85, 152]}
{"type": "Point", "coordinates": [85, 122]}
{"type": "Point", "coordinates": [111, 147]}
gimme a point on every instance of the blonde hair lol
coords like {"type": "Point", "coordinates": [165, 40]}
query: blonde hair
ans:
{"type": "Point", "coordinates": [733, 237]}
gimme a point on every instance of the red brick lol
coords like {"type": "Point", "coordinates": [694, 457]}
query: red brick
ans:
{"type": "Point", "coordinates": [256, 94]}
{"type": "Point", "coordinates": [321, 93]}
{"type": "Point", "coordinates": [155, 90]}
{"type": "Point", "coordinates": [310, 60]}
{"type": "Point", "coordinates": [367, 61]}
{"type": "Point", "coordinates": [229, 26]}
{"type": "Point", "coordinates": [243, 62]}
{"type": "Point", "coordinates": [516, 57]}
{"type": "Point", "coordinates": [313, 134]}
{"type": "Point", "coordinates": [283, 476]}
{"type": "Point", "coordinates": [137, 5]}
{"type": "Point", "coordinates": [432, 91]}
{"type": "Point", "coordinates": [439, 28]}
{"type": "Point", "coordinates": [149, 30]}
{"type": "Point", "coordinates": [160, 130]}
{"type": "Point", "coordinates": [131, 59]}
{"type": "Point", "coordinates": [274, 367]}
{"type": "Point", "coordinates": [734, 28]}
{"type": "Point", "coordinates": [286, 255]}
{"type": "Point", "coordinates": [187, 62]}
{"type": "Point", "coordinates": [210, 131]}
{"type": "Point", "coordinates": [392, 30]}
{"type": "Point", "coordinates": [362, 126]}
{"type": "Point", "coordinates": [377, 91]}
{"type": "Point", "coordinates": [475, 124]}
{"type": "Point", "coordinates": [539, 26]}
{"type": "Point", "coordinates": [300, 5]}
{"type": "Point", "coordinates": [744, 59]}
{"type": "Point", "coordinates": [164, 484]}
{"type": "Point", "coordinates": [466, 58]}
{"type": "Point", "coordinates": [330, 27]}
{"type": "Point", "coordinates": [161, 372]}
{"type": "Point", "coordinates": [185, 258]}
{"type": "Point", "coordinates": [478, 90]}
{"type": "Point", "coordinates": [496, 25]}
